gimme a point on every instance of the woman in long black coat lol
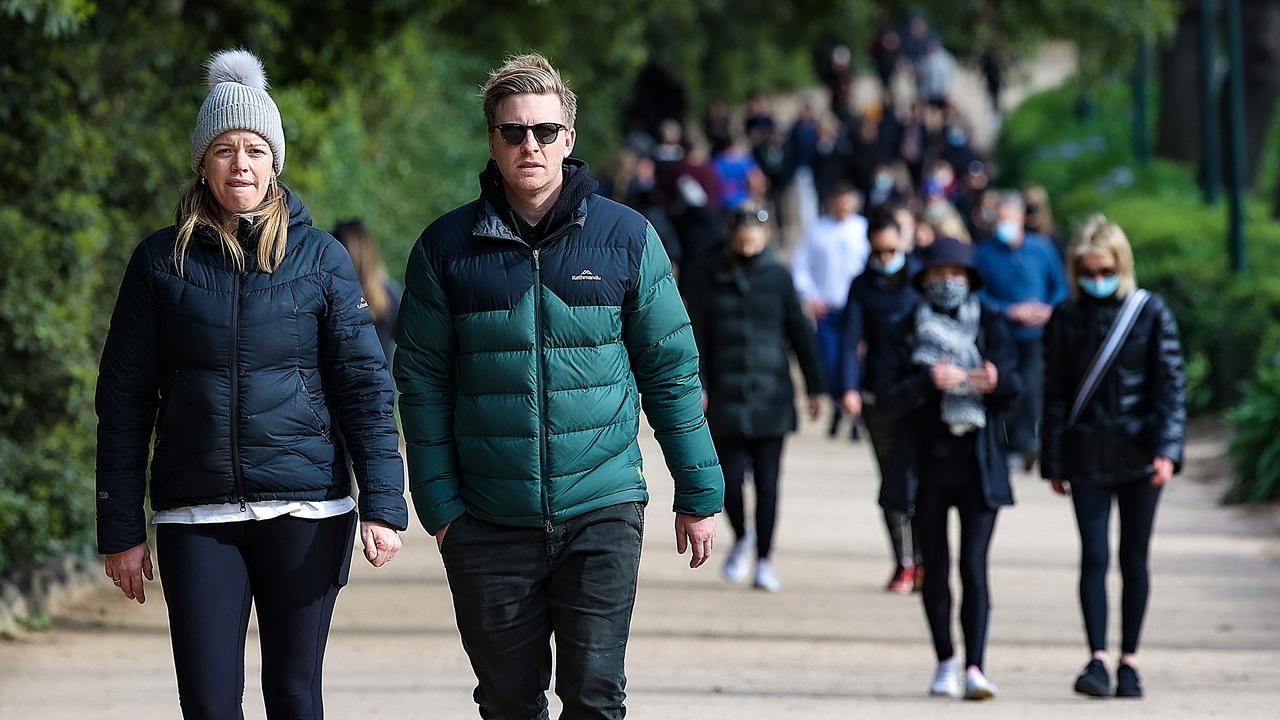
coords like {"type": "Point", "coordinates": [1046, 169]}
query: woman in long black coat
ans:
{"type": "Point", "coordinates": [748, 321]}
{"type": "Point", "coordinates": [1125, 442]}
{"type": "Point", "coordinates": [947, 381]}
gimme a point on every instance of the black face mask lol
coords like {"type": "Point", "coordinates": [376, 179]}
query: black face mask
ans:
{"type": "Point", "coordinates": [746, 260]}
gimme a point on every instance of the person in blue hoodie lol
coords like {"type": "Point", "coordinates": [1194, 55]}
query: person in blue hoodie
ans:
{"type": "Point", "coordinates": [1025, 280]}
{"type": "Point", "coordinates": [878, 298]}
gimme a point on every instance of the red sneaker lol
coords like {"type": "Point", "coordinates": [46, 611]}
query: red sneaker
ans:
{"type": "Point", "coordinates": [902, 581]}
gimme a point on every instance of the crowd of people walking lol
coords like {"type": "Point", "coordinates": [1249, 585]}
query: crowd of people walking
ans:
{"type": "Point", "coordinates": [863, 244]}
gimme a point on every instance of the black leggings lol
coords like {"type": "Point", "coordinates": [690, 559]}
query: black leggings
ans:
{"type": "Point", "coordinates": [1137, 501]}
{"type": "Point", "coordinates": [291, 569]}
{"type": "Point", "coordinates": [940, 490]}
{"type": "Point", "coordinates": [903, 545]}
{"type": "Point", "coordinates": [764, 455]}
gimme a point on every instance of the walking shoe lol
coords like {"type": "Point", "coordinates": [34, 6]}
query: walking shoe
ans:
{"type": "Point", "coordinates": [977, 686]}
{"type": "Point", "coordinates": [903, 581]}
{"type": "Point", "coordinates": [1029, 460]}
{"type": "Point", "coordinates": [855, 435]}
{"type": "Point", "coordinates": [1094, 680]}
{"type": "Point", "coordinates": [945, 683]}
{"type": "Point", "coordinates": [918, 584]}
{"type": "Point", "coordinates": [1128, 684]}
{"type": "Point", "coordinates": [834, 430]}
{"type": "Point", "coordinates": [735, 566]}
{"type": "Point", "coordinates": [765, 578]}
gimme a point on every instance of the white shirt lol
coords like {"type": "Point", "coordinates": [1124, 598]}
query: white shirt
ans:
{"type": "Point", "coordinates": [262, 510]}
{"type": "Point", "coordinates": [830, 256]}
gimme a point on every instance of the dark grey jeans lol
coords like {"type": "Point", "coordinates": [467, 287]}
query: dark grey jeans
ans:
{"type": "Point", "coordinates": [515, 587]}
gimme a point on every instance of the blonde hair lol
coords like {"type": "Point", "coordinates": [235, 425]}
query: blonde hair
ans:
{"type": "Point", "coordinates": [1099, 236]}
{"type": "Point", "coordinates": [362, 248]}
{"type": "Point", "coordinates": [946, 222]}
{"type": "Point", "coordinates": [198, 208]}
{"type": "Point", "coordinates": [527, 74]}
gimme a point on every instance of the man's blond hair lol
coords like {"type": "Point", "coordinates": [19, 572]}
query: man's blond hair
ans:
{"type": "Point", "coordinates": [531, 73]}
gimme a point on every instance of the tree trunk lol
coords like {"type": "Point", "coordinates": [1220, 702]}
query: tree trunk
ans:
{"type": "Point", "coordinates": [1261, 23]}
{"type": "Point", "coordinates": [1178, 134]}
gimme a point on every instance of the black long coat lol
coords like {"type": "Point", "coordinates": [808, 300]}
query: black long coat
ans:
{"type": "Point", "coordinates": [1138, 412]}
{"type": "Point", "coordinates": [747, 319]}
{"type": "Point", "coordinates": [907, 394]}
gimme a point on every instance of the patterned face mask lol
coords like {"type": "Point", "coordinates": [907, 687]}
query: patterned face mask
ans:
{"type": "Point", "coordinates": [947, 294]}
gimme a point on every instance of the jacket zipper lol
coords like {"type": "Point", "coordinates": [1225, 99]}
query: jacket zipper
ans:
{"type": "Point", "coordinates": [542, 404]}
{"type": "Point", "coordinates": [235, 389]}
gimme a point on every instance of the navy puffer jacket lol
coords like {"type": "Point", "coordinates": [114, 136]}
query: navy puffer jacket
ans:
{"type": "Point", "coordinates": [247, 380]}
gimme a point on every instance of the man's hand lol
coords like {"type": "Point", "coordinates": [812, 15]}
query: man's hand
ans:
{"type": "Point", "coordinates": [697, 533]}
{"type": "Point", "coordinates": [815, 406]}
{"type": "Point", "coordinates": [381, 542]}
{"type": "Point", "coordinates": [127, 568]}
{"type": "Point", "coordinates": [440, 536]}
{"type": "Point", "coordinates": [1061, 487]}
{"type": "Point", "coordinates": [1164, 471]}
{"type": "Point", "coordinates": [947, 376]}
{"type": "Point", "coordinates": [851, 403]}
{"type": "Point", "coordinates": [984, 381]}
{"type": "Point", "coordinates": [818, 308]}
{"type": "Point", "coordinates": [1031, 313]}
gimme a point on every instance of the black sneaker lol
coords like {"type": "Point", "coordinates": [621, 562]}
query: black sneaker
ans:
{"type": "Point", "coordinates": [1128, 684]}
{"type": "Point", "coordinates": [1094, 680]}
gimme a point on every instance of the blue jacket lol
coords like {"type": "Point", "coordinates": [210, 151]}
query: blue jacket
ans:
{"type": "Point", "coordinates": [876, 303]}
{"type": "Point", "coordinates": [1032, 271]}
{"type": "Point", "coordinates": [245, 380]}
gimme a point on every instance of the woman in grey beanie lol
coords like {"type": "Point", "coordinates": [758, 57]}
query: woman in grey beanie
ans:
{"type": "Point", "coordinates": [241, 341]}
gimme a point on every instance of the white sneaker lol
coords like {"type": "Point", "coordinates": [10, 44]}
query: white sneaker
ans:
{"type": "Point", "coordinates": [765, 578]}
{"type": "Point", "coordinates": [977, 686]}
{"type": "Point", "coordinates": [945, 680]}
{"type": "Point", "coordinates": [735, 566]}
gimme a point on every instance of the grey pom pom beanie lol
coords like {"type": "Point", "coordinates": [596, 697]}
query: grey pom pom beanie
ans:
{"type": "Point", "coordinates": [237, 100]}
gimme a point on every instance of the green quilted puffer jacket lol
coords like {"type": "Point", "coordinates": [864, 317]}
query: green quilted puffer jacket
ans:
{"type": "Point", "coordinates": [522, 371]}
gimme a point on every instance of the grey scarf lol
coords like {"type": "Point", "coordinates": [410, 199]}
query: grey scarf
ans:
{"type": "Point", "coordinates": [940, 336]}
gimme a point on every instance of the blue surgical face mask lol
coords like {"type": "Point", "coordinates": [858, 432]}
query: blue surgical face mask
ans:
{"type": "Point", "coordinates": [1007, 232]}
{"type": "Point", "coordinates": [1101, 288]}
{"type": "Point", "coordinates": [889, 268]}
{"type": "Point", "coordinates": [884, 182]}
{"type": "Point", "coordinates": [956, 136]}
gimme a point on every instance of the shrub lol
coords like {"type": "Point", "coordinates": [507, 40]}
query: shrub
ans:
{"type": "Point", "coordinates": [1255, 441]}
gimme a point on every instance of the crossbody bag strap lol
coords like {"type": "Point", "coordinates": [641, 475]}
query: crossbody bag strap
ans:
{"type": "Point", "coordinates": [1106, 354]}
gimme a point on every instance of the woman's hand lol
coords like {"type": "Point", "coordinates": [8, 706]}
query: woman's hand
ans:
{"type": "Point", "coordinates": [381, 542]}
{"type": "Point", "coordinates": [1061, 487]}
{"type": "Point", "coordinates": [984, 381]}
{"type": "Point", "coordinates": [851, 403]}
{"type": "Point", "coordinates": [1164, 471]}
{"type": "Point", "coordinates": [815, 406]}
{"type": "Point", "coordinates": [947, 376]}
{"type": "Point", "coordinates": [127, 568]}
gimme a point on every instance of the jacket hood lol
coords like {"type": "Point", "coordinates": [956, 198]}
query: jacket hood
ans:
{"type": "Point", "coordinates": [577, 187]}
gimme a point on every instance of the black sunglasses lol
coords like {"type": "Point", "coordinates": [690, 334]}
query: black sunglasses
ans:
{"type": "Point", "coordinates": [514, 133]}
{"type": "Point", "coordinates": [1096, 272]}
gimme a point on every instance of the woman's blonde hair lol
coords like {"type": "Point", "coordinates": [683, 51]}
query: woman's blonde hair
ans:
{"type": "Point", "coordinates": [1099, 236]}
{"type": "Point", "coordinates": [946, 222]}
{"type": "Point", "coordinates": [372, 273]}
{"type": "Point", "coordinates": [198, 207]}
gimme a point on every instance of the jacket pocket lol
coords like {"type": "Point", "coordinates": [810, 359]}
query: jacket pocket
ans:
{"type": "Point", "coordinates": [321, 424]}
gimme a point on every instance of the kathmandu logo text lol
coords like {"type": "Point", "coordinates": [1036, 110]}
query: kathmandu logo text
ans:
{"type": "Point", "coordinates": [587, 275]}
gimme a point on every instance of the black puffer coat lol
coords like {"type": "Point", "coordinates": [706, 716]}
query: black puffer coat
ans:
{"type": "Point", "coordinates": [745, 319]}
{"type": "Point", "coordinates": [244, 379]}
{"type": "Point", "coordinates": [1139, 410]}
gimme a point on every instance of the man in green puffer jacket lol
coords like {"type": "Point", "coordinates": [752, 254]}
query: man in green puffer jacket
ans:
{"type": "Point", "coordinates": [536, 321]}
